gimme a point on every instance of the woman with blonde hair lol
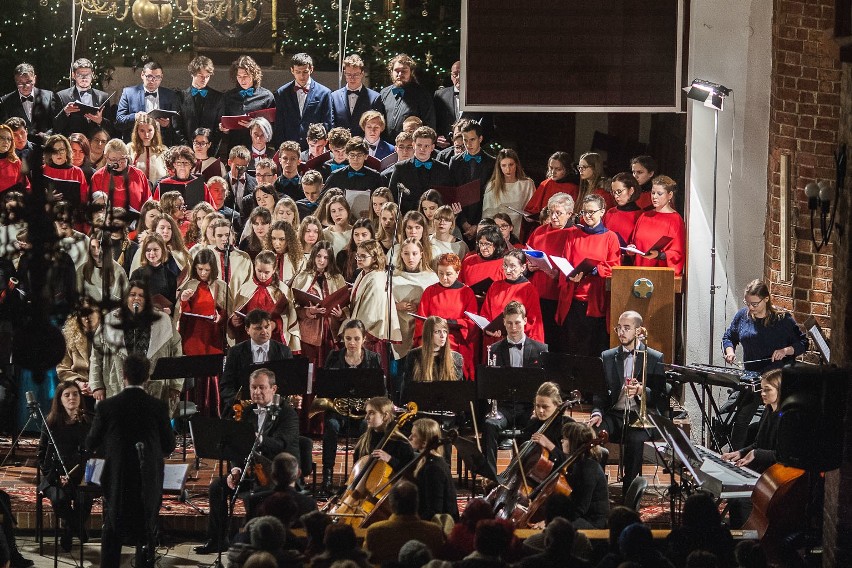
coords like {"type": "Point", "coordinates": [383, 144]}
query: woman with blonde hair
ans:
{"type": "Point", "coordinates": [412, 276]}
{"type": "Point", "coordinates": [387, 225]}
{"type": "Point", "coordinates": [379, 420]}
{"type": "Point", "coordinates": [10, 163]}
{"type": "Point", "coordinates": [509, 186]}
{"type": "Point", "coordinates": [434, 360]}
{"type": "Point", "coordinates": [432, 475]}
{"type": "Point", "coordinates": [147, 151]}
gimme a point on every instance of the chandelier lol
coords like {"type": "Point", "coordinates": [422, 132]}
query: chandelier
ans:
{"type": "Point", "coordinates": [157, 14]}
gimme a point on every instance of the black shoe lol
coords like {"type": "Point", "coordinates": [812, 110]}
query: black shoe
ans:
{"type": "Point", "coordinates": [209, 547]}
{"type": "Point", "coordinates": [65, 539]}
{"type": "Point", "coordinates": [18, 561]}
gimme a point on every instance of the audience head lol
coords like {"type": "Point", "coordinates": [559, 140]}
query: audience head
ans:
{"type": "Point", "coordinates": [266, 533]}
{"type": "Point", "coordinates": [559, 537]}
{"type": "Point", "coordinates": [414, 554]}
{"type": "Point", "coordinates": [403, 498]}
{"type": "Point", "coordinates": [493, 537]}
{"type": "Point", "coordinates": [619, 519]}
{"type": "Point", "coordinates": [285, 469]}
{"type": "Point", "coordinates": [700, 512]}
{"type": "Point", "coordinates": [340, 539]}
{"type": "Point", "coordinates": [476, 510]}
{"type": "Point", "coordinates": [635, 541]}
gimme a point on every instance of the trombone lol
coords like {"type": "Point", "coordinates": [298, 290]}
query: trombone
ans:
{"type": "Point", "coordinates": [643, 421]}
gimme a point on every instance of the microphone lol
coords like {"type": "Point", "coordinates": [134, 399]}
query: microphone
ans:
{"type": "Point", "coordinates": [241, 169]}
{"type": "Point", "coordinates": [276, 403]}
{"type": "Point", "coordinates": [140, 449]}
{"type": "Point", "coordinates": [402, 189]}
{"type": "Point", "coordinates": [31, 399]}
{"type": "Point", "coordinates": [135, 307]}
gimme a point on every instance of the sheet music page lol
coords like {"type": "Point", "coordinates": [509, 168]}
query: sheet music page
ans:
{"type": "Point", "coordinates": [816, 333]}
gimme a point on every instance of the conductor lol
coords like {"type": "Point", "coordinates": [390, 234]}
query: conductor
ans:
{"type": "Point", "coordinates": [132, 431]}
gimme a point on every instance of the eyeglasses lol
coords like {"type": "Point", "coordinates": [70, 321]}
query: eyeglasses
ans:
{"type": "Point", "coordinates": [485, 244]}
{"type": "Point", "coordinates": [503, 226]}
{"type": "Point", "coordinates": [583, 168]}
{"type": "Point", "coordinates": [118, 160]}
{"type": "Point", "coordinates": [353, 75]}
{"type": "Point", "coordinates": [753, 304]}
{"type": "Point", "coordinates": [59, 150]}
{"type": "Point", "coordinates": [618, 192]}
{"type": "Point", "coordinates": [98, 141]}
{"type": "Point", "coordinates": [183, 163]}
{"type": "Point", "coordinates": [182, 206]}
{"type": "Point", "coordinates": [154, 78]}
{"type": "Point", "coordinates": [590, 213]}
{"type": "Point", "coordinates": [363, 256]}
{"type": "Point", "coordinates": [200, 143]}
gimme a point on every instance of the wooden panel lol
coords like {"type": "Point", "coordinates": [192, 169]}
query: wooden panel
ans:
{"type": "Point", "coordinates": [658, 311]}
{"type": "Point", "coordinates": [597, 54]}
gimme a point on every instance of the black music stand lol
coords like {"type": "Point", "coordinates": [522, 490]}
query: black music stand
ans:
{"type": "Point", "coordinates": [349, 383]}
{"type": "Point", "coordinates": [513, 384]}
{"type": "Point", "coordinates": [683, 453]}
{"type": "Point", "coordinates": [291, 375]}
{"type": "Point", "coordinates": [188, 366]}
{"type": "Point", "coordinates": [575, 372]}
{"type": "Point", "coordinates": [680, 373]}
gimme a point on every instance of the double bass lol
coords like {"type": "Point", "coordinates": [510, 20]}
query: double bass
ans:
{"type": "Point", "coordinates": [556, 482]}
{"type": "Point", "coordinates": [530, 466]}
{"type": "Point", "coordinates": [368, 481]}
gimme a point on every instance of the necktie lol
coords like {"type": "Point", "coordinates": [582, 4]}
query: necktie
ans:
{"type": "Point", "coordinates": [334, 167]}
{"type": "Point", "coordinates": [355, 174]}
{"type": "Point", "coordinates": [28, 98]}
{"type": "Point", "coordinates": [372, 147]}
{"type": "Point", "coordinates": [427, 164]}
{"type": "Point", "coordinates": [259, 356]}
{"type": "Point", "coordinates": [298, 88]}
{"type": "Point", "coordinates": [398, 91]}
{"type": "Point", "coordinates": [149, 94]}
{"type": "Point", "coordinates": [469, 157]}
{"type": "Point", "coordinates": [261, 410]}
{"type": "Point", "coordinates": [516, 346]}
{"type": "Point", "coordinates": [193, 91]}
{"type": "Point", "coordinates": [247, 92]}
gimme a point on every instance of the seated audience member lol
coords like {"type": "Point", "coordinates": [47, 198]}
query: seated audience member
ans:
{"type": "Point", "coordinates": [636, 544]}
{"type": "Point", "coordinates": [385, 539]}
{"type": "Point", "coordinates": [265, 534]}
{"type": "Point", "coordinates": [493, 545]}
{"type": "Point", "coordinates": [413, 554]}
{"type": "Point", "coordinates": [559, 539]}
{"type": "Point", "coordinates": [315, 524]}
{"type": "Point", "coordinates": [701, 529]}
{"type": "Point", "coordinates": [460, 541]}
{"type": "Point", "coordinates": [619, 519]}
{"type": "Point", "coordinates": [556, 506]}
{"type": "Point", "coordinates": [340, 546]}
{"type": "Point", "coordinates": [285, 502]}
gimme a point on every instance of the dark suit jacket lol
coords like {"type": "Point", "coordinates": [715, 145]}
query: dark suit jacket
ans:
{"type": "Point", "coordinates": [236, 105]}
{"type": "Point", "coordinates": [77, 122]}
{"type": "Point", "coordinates": [289, 124]}
{"type": "Point", "coordinates": [445, 114]}
{"type": "Point", "coordinates": [44, 109]}
{"type": "Point", "coordinates": [120, 422]}
{"type": "Point", "coordinates": [367, 182]}
{"type": "Point", "coordinates": [613, 365]}
{"type": "Point", "coordinates": [336, 360]}
{"type": "Point", "coordinates": [280, 434]}
{"type": "Point", "coordinates": [368, 99]}
{"type": "Point", "coordinates": [206, 114]}
{"type": "Point", "coordinates": [416, 101]}
{"type": "Point", "coordinates": [231, 200]}
{"type": "Point", "coordinates": [418, 180]}
{"type": "Point", "coordinates": [239, 358]}
{"type": "Point", "coordinates": [383, 150]}
{"type": "Point", "coordinates": [462, 172]}
{"type": "Point", "coordinates": [532, 353]}
{"type": "Point", "coordinates": [133, 100]}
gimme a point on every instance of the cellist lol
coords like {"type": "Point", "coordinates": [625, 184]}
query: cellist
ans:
{"type": "Point", "coordinates": [586, 478]}
{"type": "Point", "coordinates": [548, 399]}
{"type": "Point", "coordinates": [379, 418]}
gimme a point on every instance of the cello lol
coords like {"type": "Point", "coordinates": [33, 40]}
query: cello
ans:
{"type": "Point", "coordinates": [368, 475]}
{"type": "Point", "coordinates": [556, 482]}
{"type": "Point", "coordinates": [531, 465]}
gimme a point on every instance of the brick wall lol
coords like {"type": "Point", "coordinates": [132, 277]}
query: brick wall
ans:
{"type": "Point", "coordinates": [805, 109]}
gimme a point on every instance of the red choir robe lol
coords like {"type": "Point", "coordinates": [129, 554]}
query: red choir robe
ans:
{"type": "Point", "coordinates": [652, 225]}
{"type": "Point", "coordinates": [475, 269]}
{"type": "Point", "coordinates": [156, 195]}
{"type": "Point", "coordinates": [622, 221]}
{"type": "Point", "coordinates": [451, 304]}
{"type": "Point", "coordinates": [202, 336]}
{"type": "Point", "coordinates": [71, 173]}
{"type": "Point", "coordinates": [317, 334]}
{"type": "Point", "coordinates": [10, 175]}
{"type": "Point", "coordinates": [257, 295]}
{"type": "Point", "coordinates": [643, 200]}
{"type": "Point", "coordinates": [547, 189]}
{"type": "Point", "coordinates": [137, 192]}
{"type": "Point", "coordinates": [503, 292]}
{"type": "Point", "coordinates": [602, 247]}
{"type": "Point", "coordinates": [551, 241]}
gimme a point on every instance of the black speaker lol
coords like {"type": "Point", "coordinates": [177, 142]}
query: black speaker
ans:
{"type": "Point", "coordinates": [812, 406]}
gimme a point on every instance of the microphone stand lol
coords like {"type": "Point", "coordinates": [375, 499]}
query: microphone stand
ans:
{"type": "Point", "coordinates": [35, 410]}
{"type": "Point", "coordinates": [145, 553]}
{"type": "Point", "coordinates": [226, 277]}
{"type": "Point", "coordinates": [400, 190]}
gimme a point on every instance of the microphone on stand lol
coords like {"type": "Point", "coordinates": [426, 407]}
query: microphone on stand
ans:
{"type": "Point", "coordinates": [135, 307]}
{"type": "Point", "coordinates": [31, 399]}
{"type": "Point", "coordinates": [140, 449]}
{"type": "Point", "coordinates": [276, 404]}
{"type": "Point", "coordinates": [402, 189]}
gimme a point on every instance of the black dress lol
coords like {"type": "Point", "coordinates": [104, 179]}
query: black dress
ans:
{"type": "Point", "coordinates": [589, 494]}
{"type": "Point", "coordinates": [436, 489]}
{"type": "Point", "coordinates": [70, 441]}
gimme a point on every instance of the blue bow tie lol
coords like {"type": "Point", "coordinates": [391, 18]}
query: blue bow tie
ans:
{"type": "Point", "coordinates": [398, 91]}
{"type": "Point", "coordinates": [427, 164]}
{"type": "Point", "coordinates": [193, 91]}
{"type": "Point", "coordinates": [247, 92]}
{"type": "Point", "coordinates": [469, 157]}
{"type": "Point", "coordinates": [354, 174]}
{"type": "Point", "coordinates": [309, 204]}
{"type": "Point", "coordinates": [335, 167]}
{"type": "Point", "coordinates": [290, 181]}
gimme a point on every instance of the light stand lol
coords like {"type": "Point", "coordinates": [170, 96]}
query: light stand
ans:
{"type": "Point", "coordinates": [713, 96]}
{"type": "Point", "coordinates": [820, 197]}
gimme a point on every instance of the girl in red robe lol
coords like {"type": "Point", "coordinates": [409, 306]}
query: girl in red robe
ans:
{"type": "Point", "coordinates": [57, 163]}
{"type": "Point", "coordinates": [663, 220]}
{"type": "Point", "coordinates": [10, 163]}
{"type": "Point", "coordinates": [622, 218]}
{"type": "Point", "coordinates": [487, 263]}
{"type": "Point", "coordinates": [202, 296]}
{"type": "Point", "coordinates": [583, 303]}
{"type": "Point", "coordinates": [514, 287]}
{"type": "Point", "coordinates": [644, 169]}
{"type": "Point", "coordinates": [591, 169]}
{"type": "Point", "coordinates": [450, 299]}
{"type": "Point", "coordinates": [561, 178]}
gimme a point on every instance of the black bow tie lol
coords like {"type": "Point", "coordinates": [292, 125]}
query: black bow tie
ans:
{"type": "Point", "coordinates": [27, 98]}
{"type": "Point", "coordinates": [625, 353]}
{"type": "Point", "coordinates": [516, 345]}
{"type": "Point", "coordinates": [86, 92]}
{"type": "Point", "coordinates": [356, 93]}
{"type": "Point", "coordinates": [147, 94]}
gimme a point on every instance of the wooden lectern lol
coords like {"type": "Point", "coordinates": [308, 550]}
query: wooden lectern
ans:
{"type": "Point", "coordinates": [651, 292]}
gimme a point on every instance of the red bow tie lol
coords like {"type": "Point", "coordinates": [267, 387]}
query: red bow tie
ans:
{"type": "Point", "coordinates": [298, 88]}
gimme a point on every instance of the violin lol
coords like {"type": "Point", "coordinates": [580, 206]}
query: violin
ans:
{"type": "Point", "coordinates": [530, 466]}
{"type": "Point", "coordinates": [556, 482]}
{"type": "Point", "coordinates": [259, 468]}
{"type": "Point", "coordinates": [368, 481]}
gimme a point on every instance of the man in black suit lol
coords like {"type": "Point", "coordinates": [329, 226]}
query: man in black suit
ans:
{"type": "Point", "coordinates": [350, 102]}
{"type": "Point", "coordinates": [355, 175]}
{"type": "Point", "coordinates": [516, 350]}
{"type": "Point", "coordinates": [71, 118]}
{"type": "Point", "coordinates": [240, 182]}
{"type": "Point", "coordinates": [405, 97]}
{"type": "Point", "coordinates": [421, 172]}
{"type": "Point", "coordinates": [36, 106]}
{"type": "Point", "coordinates": [259, 348]}
{"type": "Point", "coordinates": [146, 97]}
{"type": "Point", "coordinates": [448, 108]}
{"type": "Point", "coordinates": [277, 427]}
{"type": "Point", "coordinates": [200, 105]}
{"type": "Point", "coordinates": [624, 367]}
{"type": "Point", "coordinates": [132, 431]}
{"type": "Point", "coordinates": [300, 103]}
{"type": "Point", "coordinates": [473, 164]}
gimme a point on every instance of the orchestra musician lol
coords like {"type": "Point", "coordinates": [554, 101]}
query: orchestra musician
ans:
{"type": "Point", "coordinates": [614, 411]}
{"type": "Point", "coordinates": [586, 478]}
{"type": "Point", "coordinates": [277, 428]}
{"type": "Point", "coordinates": [434, 360]}
{"type": "Point", "coordinates": [380, 418]}
{"type": "Point", "coordinates": [516, 350]}
{"type": "Point", "coordinates": [432, 475]}
{"type": "Point", "coordinates": [769, 338]}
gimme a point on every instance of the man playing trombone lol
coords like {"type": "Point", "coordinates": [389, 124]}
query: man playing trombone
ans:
{"type": "Point", "coordinates": [622, 411]}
